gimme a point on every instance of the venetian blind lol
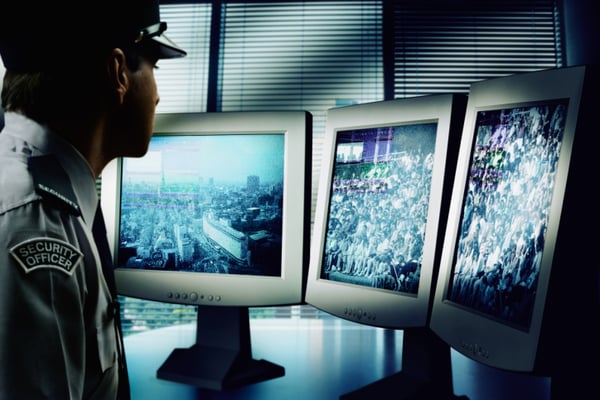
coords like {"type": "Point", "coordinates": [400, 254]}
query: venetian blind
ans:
{"type": "Point", "coordinates": [182, 82]}
{"type": "Point", "coordinates": [441, 46]}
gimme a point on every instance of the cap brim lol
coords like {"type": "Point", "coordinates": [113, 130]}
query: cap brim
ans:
{"type": "Point", "coordinates": [167, 48]}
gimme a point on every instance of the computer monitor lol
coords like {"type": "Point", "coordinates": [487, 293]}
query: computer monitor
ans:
{"type": "Point", "coordinates": [518, 281]}
{"type": "Point", "coordinates": [216, 215]}
{"type": "Point", "coordinates": [381, 206]}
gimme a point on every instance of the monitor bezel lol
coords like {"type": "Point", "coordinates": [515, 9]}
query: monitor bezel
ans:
{"type": "Point", "coordinates": [210, 289]}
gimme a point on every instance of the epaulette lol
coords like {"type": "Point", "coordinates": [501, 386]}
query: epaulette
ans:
{"type": "Point", "coordinates": [52, 183]}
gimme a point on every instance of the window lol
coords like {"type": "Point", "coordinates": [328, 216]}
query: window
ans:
{"type": "Point", "coordinates": [314, 55]}
{"type": "Point", "coordinates": [183, 82]}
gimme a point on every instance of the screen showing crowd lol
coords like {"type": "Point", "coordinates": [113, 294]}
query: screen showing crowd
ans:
{"type": "Point", "coordinates": [381, 181]}
{"type": "Point", "coordinates": [505, 210]}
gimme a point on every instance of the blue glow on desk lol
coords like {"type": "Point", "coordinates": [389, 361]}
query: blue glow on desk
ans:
{"type": "Point", "coordinates": [323, 359]}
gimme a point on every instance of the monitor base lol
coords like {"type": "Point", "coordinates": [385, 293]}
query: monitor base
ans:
{"type": "Point", "coordinates": [214, 368]}
{"type": "Point", "coordinates": [426, 372]}
{"type": "Point", "coordinates": [401, 386]}
{"type": "Point", "coordinates": [222, 356]}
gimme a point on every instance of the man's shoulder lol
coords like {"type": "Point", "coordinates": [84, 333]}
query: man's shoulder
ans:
{"type": "Point", "coordinates": [16, 183]}
{"type": "Point", "coordinates": [26, 179]}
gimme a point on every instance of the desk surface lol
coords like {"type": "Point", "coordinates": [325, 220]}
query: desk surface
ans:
{"type": "Point", "coordinates": [323, 359]}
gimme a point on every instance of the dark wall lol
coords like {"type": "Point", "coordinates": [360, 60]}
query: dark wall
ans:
{"type": "Point", "coordinates": [581, 21]}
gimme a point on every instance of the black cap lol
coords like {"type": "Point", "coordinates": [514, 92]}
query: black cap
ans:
{"type": "Point", "coordinates": [37, 35]}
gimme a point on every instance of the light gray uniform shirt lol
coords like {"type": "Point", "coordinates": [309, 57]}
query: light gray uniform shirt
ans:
{"type": "Point", "coordinates": [57, 337]}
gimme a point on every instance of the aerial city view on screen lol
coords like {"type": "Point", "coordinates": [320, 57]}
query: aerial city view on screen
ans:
{"type": "Point", "coordinates": [378, 206]}
{"type": "Point", "coordinates": [505, 210]}
{"type": "Point", "coordinates": [204, 203]}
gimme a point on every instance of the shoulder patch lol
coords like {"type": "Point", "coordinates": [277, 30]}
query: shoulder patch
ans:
{"type": "Point", "coordinates": [44, 252]}
{"type": "Point", "coordinates": [52, 182]}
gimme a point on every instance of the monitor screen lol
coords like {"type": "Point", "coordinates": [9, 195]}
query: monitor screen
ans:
{"type": "Point", "coordinates": [216, 215]}
{"type": "Point", "coordinates": [380, 206]}
{"type": "Point", "coordinates": [499, 246]}
{"type": "Point", "coordinates": [513, 236]}
{"type": "Point", "coordinates": [185, 207]}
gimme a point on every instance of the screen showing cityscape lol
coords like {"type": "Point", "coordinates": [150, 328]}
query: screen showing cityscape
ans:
{"type": "Point", "coordinates": [204, 203]}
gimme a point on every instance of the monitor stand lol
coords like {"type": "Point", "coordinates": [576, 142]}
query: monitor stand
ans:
{"type": "Point", "coordinates": [221, 358]}
{"type": "Point", "coordinates": [426, 372]}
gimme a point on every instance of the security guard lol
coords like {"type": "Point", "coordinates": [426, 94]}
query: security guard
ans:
{"type": "Point", "coordinates": [78, 91]}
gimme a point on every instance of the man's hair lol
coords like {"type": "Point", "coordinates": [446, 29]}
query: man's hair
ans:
{"type": "Point", "coordinates": [47, 95]}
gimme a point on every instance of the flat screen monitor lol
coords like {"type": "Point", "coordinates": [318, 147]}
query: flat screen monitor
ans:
{"type": "Point", "coordinates": [518, 282]}
{"type": "Point", "coordinates": [382, 199]}
{"type": "Point", "coordinates": [216, 215]}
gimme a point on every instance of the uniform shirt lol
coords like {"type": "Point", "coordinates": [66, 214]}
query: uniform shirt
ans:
{"type": "Point", "coordinates": [57, 333]}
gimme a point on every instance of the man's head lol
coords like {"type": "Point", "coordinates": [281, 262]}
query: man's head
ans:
{"type": "Point", "coordinates": [85, 69]}
{"type": "Point", "coordinates": [35, 35]}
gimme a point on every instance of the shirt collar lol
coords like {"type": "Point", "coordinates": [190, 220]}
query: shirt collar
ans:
{"type": "Point", "coordinates": [43, 141]}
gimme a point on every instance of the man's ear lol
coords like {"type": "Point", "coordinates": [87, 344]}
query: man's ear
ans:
{"type": "Point", "coordinates": [118, 78]}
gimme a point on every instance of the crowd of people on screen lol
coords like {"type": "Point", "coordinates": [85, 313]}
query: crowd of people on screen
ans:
{"type": "Point", "coordinates": [377, 220]}
{"type": "Point", "coordinates": [505, 213]}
